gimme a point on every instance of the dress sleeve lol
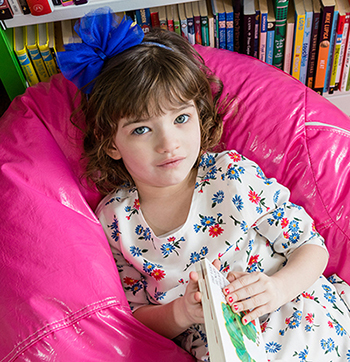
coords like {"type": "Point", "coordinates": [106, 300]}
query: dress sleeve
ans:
{"type": "Point", "coordinates": [133, 282]}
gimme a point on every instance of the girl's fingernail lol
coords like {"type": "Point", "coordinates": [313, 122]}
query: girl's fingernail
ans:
{"type": "Point", "coordinates": [227, 291]}
{"type": "Point", "coordinates": [235, 307]}
{"type": "Point", "coordinates": [245, 321]}
{"type": "Point", "coordinates": [230, 300]}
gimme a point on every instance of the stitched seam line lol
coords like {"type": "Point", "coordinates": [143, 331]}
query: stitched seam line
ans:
{"type": "Point", "coordinates": [58, 325]}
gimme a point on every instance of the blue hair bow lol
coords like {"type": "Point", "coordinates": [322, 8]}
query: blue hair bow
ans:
{"type": "Point", "coordinates": [102, 38]}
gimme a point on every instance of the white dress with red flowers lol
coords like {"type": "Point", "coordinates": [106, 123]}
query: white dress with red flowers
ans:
{"type": "Point", "coordinates": [246, 220]}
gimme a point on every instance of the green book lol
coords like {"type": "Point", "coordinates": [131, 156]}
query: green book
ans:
{"type": "Point", "coordinates": [281, 10]}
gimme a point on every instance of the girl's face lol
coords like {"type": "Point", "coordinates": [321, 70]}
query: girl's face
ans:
{"type": "Point", "coordinates": [162, 150]}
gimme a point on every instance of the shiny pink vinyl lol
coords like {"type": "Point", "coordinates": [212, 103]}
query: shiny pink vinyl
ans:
{"type": "Point", "coordinates": [60, 294]}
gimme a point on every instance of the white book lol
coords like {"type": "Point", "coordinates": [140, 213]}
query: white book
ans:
{"type": "Point", "coordinates": [228, 339]}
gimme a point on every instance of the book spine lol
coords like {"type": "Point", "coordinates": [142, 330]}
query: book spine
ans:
{"type": "Point", "coordinates": [197, 29]}
{"type": "Point", "coordinates": [313, 51]}
{"type": "Point", "coordinates": [298, 45]}
{"type": "Point", "coordinates": [27, 67]}
{"type": "Point", "coordinates": [191, 33]}
{"type": "Point", "coordinates": [155, 23]}
{"type": "Point", "coordinates": [5, 10]}
{"type": "Point", "coordinates": [345, 70]}
{"type": "Point", "coordinates": [306, 47]}
{"type": "Point", "coordinates": [143, 18]}
{"type": "Point", "coordinates": [40, 7]}
{"type": "Point", "coordinates": [222, 30]}
{"type": "Point", "coordinates": [337, 46]}
{"type": "Point", "coordinates": [270, 42]}
{"type": "Point", "coordinates": [67, 2]}
{"type": "Point", "coordinates": [342, 51]}
{"type": "Point", "coordinates": [256, 34]}
{"type": "Point", "coordinates": [16, 8]}
{"type": "Point", "coordinates": [237, 13]}
{"type": "Point", "coordinates": [323, 48]}
{"type": "Point", "coordinates": [288, 49]}
{"type": "Point", "coordinates": [184, 28]}
{"type": "Point", "coordinates": [331, 52]}
{"type": "Point", "coordinates": [281, 9]}
{"type": "Point", "coordinates": [38, 63]}
{"type": "Point", "coordinates": [248, 34]}
{"type": "Point", "coordinates": [177, 26]}
{"type": "Point", "coordinates": [24, 6]}
{"type": "Point", "coordinates": [229, 31]}
{"type": "Point", "coordinates": [263, 36]}
{"type": "Point", "coordinates": [48, 59]}
{"type": "Point", "coordinates": [205, 30]}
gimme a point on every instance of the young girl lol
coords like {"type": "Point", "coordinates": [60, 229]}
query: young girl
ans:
{"type": "Point", "coordinates": [152, 116]}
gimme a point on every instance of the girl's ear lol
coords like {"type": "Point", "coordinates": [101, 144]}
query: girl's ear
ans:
{"type": "Point", "coordinates": [114, 153]}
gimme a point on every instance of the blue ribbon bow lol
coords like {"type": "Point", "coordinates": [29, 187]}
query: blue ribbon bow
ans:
{"type": "Point", "coordinates": [102, 38]}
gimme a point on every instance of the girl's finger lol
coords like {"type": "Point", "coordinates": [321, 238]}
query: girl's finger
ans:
{"type": "Point", "coordinates": [244, 283]}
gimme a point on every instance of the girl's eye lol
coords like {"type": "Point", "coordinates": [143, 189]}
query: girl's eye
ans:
{"type": "Point", "coordinates": [183, 118]}
{"type": "Point", "coordinates": [140, 130]}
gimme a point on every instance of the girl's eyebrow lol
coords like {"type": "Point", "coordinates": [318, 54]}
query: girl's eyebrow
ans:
{"type": "Point", "coordinates": [131, 121]}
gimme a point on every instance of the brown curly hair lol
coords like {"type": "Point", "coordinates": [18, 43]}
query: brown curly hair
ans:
{"type": "Point", "coordinates": [132, 84]}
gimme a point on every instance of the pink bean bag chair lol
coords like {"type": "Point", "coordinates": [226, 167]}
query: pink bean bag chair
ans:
{"type": "Point", "coordinates": [61, 297]}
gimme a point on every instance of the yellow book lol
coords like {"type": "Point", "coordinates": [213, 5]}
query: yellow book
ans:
{"type": "Point", "coordinates": [23, 56]}
{"type": "Point", "coordinates": [46, 44]}
{"type": "Point", "coordinates": [298, 37]}
{"type": "Point", "coordinates": [33, 50]}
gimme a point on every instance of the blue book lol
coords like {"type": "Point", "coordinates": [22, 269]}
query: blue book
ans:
{"type": "Point", "coordinates": [263, 29]}
{"type": "Point", "coordinates": [190, 24]}
{"type": "Point", "coordinates": [270, 38]}
{"type": "Point", "coordinates": [220, 23]}
{"type": "Point", "coordinates": [306, 40]}
{"type": "Point", "coordinates": [143, 18]}
{"type": "Point", "coordinates": [229, 25]}
{"type": "Point", "coordinates": [331, 49]}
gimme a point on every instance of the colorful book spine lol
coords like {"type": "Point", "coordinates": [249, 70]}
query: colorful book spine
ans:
{"type": "Point", "coordinates": [323, 46]}
{"type": "Point", "coordinates": [23, 56]}
{"type": "Point", "coordinates": [162, 17]}
{"type": "Point", "coordinates": [311, 68]}
{"type": "Point", "coordinates": [229, 25]}
{"type": "Point", "coordinates": [248, 30]}
{"type": "Point", "coordinates": [298, 37]}
{"type": "Point", "coordinates": [288, 49]}
{"type": "Point", "coordinates": [306, 40]}
{"type": "Point", "coordinates": [143, 17]}
{"type": "Point", "coordinates": [183, 20]}
{"type": "Point", "coordinates": [154, 14]}
{"type": "Point", "coordinates": [190, 24]}
{"type": "Point", "coordinates": [45, 41]}
{"type": "Point", "coordinates": [203, 10]}
{"type": "Point", "coordinates": [331, 50]}
{"type": "Point", "coordinates": [177, 25]}
{"type": "Point", "coordinates": [257, 29]}
{"type": "Point", "coordinates": [5, 10]}
{"type": "Point", "coordinates": [197, 22]}
{"type": "Point", "coordinates": [281, 11]}
{"type": "Point", "coordinates": [270, 38]}
{"type": "Point", "coordinates": [263, 29]}
{"type": "Point", "coordinates": [238, 11]}
{"type": "Point", "coordinates": [24, 6]}
{"type": "Point", "coordinates": [16, 8]}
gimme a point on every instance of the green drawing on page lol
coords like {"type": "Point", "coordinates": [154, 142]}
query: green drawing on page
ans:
{"type": "Point", "coordinates": [236, 329]}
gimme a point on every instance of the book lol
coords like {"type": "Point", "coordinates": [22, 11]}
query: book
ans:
{"type": "Point", "coordinates": [220, 22]}
{"type": "Point", "coordinates": [288, 49]}
{"type": "Point", "coordinates": [281, 11]}
{"type": "Point", "coordinates": [23, 56]}
{"type": "Point", "coordinates": [40, 7]}
{"type": "Point", "coordinates": [306, 40]}
{"type": "Point", "coordinates": [162, 17]}
{"type": "Point", "coordinates": [211, 24]}
{"type": "Point", "coordinates": [177, 25]}
{"type": "Point", "coordinates": [46, 45]}
{"type": "Point", "coordinates": [143, 18]}
{"type": "Point", "coordinates": [311, 68]}
{"type": "Point", "coordinates": [170, 17]}
{"type": "Point", "coordinates": [155, 23]}
{"type": "Point", "coordinates": [331, 49]}
{"type": "Point", "coordinates": [183, 20]}
{"type": "Point", "coordinates": [228, 338]}
{"type": "Point", "coordinates": [298, 37]}
{"type": "Point", "coordinates": [345, 68]}
{"type": "Point", "coordinates": [190, 23]}
{"type": "Point", "coordinates": [237, 13]}
{"type": "Point", "coordinates": [30, 38]}
{"type": "Point", "coordinates": [270, 38]}
{"type": "Point", "coordinates": [340, 45]}
{"type": "Point", "coordinates": [229, 24]}
{"type": "Point", "coordinates": [15, 7]}
{"type": "Point", "coordinates": [5, 10]}
{"type": "Point", "coordinates": [197, 22]}
{"type": "Point", "coordinates": [257, 28]}
{"type": "Point", "coordinates": [326, 21]}
{"type": "Point", "coordinates": [24, 6]}
{"type": "Point", "coordinates": [203, 10]}
{"type": "Point", "coordinates": [67, 2]}
{"type": "Point", "coordinates": [263, 29]}
{"type": "Point", "coordinates": [248, 29]}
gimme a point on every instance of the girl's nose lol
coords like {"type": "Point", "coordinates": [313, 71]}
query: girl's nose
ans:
{"type": "Point", "coordinates": [167, 142]}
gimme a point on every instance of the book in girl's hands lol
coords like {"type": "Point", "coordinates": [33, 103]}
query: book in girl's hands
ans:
{"type": "Point", "coordinates": [228, 338]}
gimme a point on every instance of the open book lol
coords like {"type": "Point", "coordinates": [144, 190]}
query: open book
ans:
{"type": "Point", "coordinates": [228, 339]}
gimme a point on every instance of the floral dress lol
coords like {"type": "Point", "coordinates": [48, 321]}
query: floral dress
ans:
{"type": "Point", "coordinates": [246, 221]}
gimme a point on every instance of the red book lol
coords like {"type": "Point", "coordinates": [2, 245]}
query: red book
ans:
{"type": "Point", "coordinates": [40, 7]}
{"type": "Point", "coordinates": [5, 10]}
{"type": "Point", "coordinates": [154, 18]}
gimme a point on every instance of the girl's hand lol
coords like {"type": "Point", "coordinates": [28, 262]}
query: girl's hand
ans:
{"type": "Point", "coordinates": [255, 292]}
{"type": "Point", "coordinates": [190, 306]}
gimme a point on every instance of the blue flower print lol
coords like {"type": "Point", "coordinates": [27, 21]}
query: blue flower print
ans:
{"type": "Point", "coordinates": [241, 170]}
{"type": "Point", "coordinates": [147, 234]}
{"type": "Point", "coordinates": [308, 328]}
{"type": "Point", "coordinates": [238, 202]}
{"type": "Point", "coordinates": [348, 356]}
{"type": "Point", "coordinates": [127, 209]}
{"type": "Point", "coordinates": [273, 347]}
{"type": "Point", "coordinates": [207, 221]}
{"type": "Point", "coordinates": [204, 251]}
{"type": "Point", "coordinates": [167, 249]}
{"type": "Point", "coordinates": [259, 209]}
{"type": "Point", "coordinates": [218, 197]}
{"type": "Point", "coordinates": [136, 287]}
{"type": "Point", "coordinates": [330, 297]}
{"type": "Point", "coordinates": [159, 295]}
{"type": "Point", "coordinates": [232, 173]}
{"type": "Point", "coordinates": [328, 345]}
{"type": "Point", "coordinates": [194, 257]}
{"type": "Point", "coordinates": [135, 251]}
{"type": "Point", "coordinates": [276, 196]}
{"type": "Point", "coordinates": [326, 288]}
{"type": "Point", "coordinates": [294, 226]}
{"type": "Point", "coordinates": [244, 226]}
{"type": "Point", "coordinates": [302, 355]}
{"type": "Point", "coordinates": [210, 160]}
{"type": "Point", "coordinates": [115, 229]}
{"type": "Point", "coordinates": [148, 267]}
{"type": "Point", "coordinates": [294, 238]}
{"type": "Point", "coordinates": [278, 214]}
{"type": "Point", "coordinates": [139, 229]}
{"type": "Point", "coordinates": [340, 330]}
{"type": "Point", "coordinates": [196, 228]}
{"type": "Point", "coordinates": [211, 174]}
